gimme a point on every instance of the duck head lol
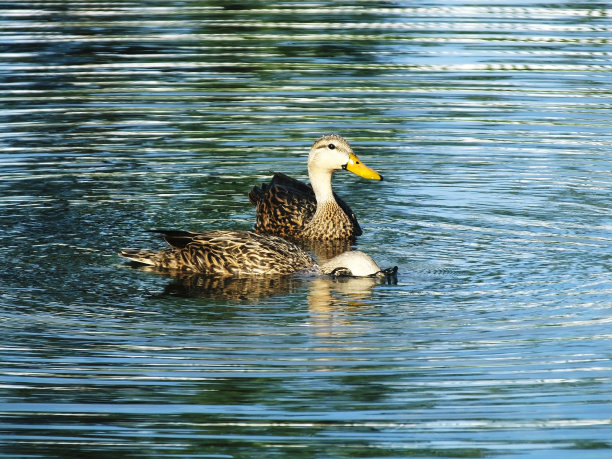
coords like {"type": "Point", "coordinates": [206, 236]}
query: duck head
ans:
{"type": "Point", "coordinates": [331, 153]}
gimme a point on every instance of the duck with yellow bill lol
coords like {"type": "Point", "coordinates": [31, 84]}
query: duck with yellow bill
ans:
{"type": "Point", "coordinates": [290, 208]}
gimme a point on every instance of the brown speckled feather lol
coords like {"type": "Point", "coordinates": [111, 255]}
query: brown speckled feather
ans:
{"type": "Point", "coordinates": [224, 253]}
{"type": "Point", "coordinates": [286, 206]}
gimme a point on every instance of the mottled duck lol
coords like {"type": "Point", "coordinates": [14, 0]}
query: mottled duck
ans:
{"type": "Point", "coordinates": [289, 208]}
{"type": "Point", "coordinates": [236, 253]}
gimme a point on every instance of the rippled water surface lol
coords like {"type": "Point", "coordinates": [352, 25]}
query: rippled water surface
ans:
{"type": "Point", "coordinates": [491, 124]}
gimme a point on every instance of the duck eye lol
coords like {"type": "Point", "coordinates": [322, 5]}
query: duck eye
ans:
{"type": "Point", "coordinates": [331, 146]}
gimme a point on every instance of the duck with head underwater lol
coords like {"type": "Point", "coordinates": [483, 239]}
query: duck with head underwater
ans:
{"type": "Point", "coordinates": [244, 253]}
{"type": "Point", "coordinates": [289, 208]}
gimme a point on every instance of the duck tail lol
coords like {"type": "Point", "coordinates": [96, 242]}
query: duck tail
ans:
{"type": "Point", "coordinates": [149, 257]}
{"type": "Point", "coordinates": [257, 197]}
{"type": "Point", "coordinates": [257, 194]}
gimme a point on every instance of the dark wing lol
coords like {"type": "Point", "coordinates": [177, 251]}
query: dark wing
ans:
{"type": "Point", "coordinates": [283, 206]}
{"type": "Point", "coordinates": [286, 205]}
{"type": "Point", "coordinates": [177, 239]}
{"type": "Point", "coordinates": [294, 185]}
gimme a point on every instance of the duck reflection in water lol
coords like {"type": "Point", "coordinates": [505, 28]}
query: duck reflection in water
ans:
{"type": "Point", "coordinates": [253, 288]}
{"type": "Point", "coordinates": [246, 265]}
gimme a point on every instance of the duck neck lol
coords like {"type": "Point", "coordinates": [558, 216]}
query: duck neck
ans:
{"type": "Point", "coordinates": [320, 180]}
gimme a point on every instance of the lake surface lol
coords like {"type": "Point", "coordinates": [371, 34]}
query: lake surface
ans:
{"type": "Point", "coordinates": [490, 122]}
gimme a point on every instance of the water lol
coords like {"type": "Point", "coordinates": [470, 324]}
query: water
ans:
{"type": "Point", "coordinates": [491, 127]}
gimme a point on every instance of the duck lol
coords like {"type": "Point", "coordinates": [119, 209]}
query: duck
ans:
{"type": "Point", "coordinates": [292, 209]}
{"type": "Point", "coordinates": [245, 253]}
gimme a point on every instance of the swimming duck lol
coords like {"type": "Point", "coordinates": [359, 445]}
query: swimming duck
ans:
{"type": "Point", "coordinates": [235, 253]}
{"type": "Point", "coordinates": [289, 208]}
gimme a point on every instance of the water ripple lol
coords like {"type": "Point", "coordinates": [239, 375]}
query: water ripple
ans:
{"type": "Point", "coordinates": [490, 124]}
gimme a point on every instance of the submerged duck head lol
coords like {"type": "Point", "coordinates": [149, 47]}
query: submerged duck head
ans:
{"type": "Point", "coordinates": [356, 264]}
{"type": "Point", "coordinates": [331, 153]}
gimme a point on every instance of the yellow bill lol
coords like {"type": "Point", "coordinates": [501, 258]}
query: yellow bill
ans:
{"type": "Point", "coordinates": [355, 166]}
